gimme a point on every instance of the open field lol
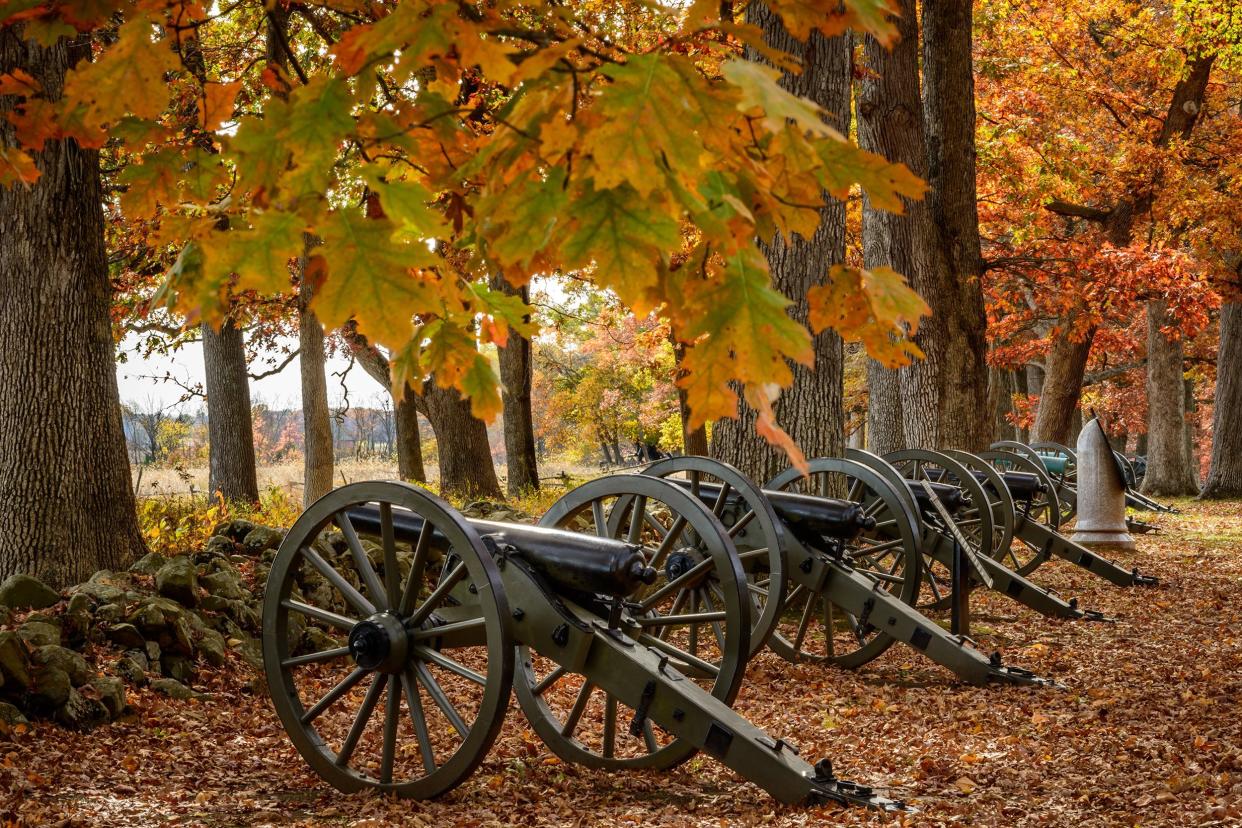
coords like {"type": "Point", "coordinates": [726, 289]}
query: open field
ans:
{"type": "Point", "coordinates": [1149, 732]}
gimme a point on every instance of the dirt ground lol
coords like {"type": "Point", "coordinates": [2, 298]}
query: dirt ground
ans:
{"type": "Point", "coordinates": [1149, 732]}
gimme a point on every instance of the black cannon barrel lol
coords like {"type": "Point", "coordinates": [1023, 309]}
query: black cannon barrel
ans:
{"type": "Point", "coordinates": [1023, 485]}
{"type": "Point", "coordinates": [806, 515]}
{"type": "Point", "coordinates": [571, 561]}
{"type": "Point", "coordinates": [949, 495]}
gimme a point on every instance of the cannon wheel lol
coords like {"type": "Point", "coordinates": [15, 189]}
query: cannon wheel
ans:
{"type": "Point", "coordinates": [1069, 477]}
{"type": "Point", "coordinates": [756, 522]}
{"type": "Point", "coordinates": [442, 706]}
{"type": "Point", "coordinates": [1044, 508]}
{"type": "Point", "coordinates": [700, 585]}
{"type": "Point", "coordinates": [811, 627]}
{"type": "Point", "coordinates": [997, 491]}
{"type": "Point", "coordinates": [974, 520]}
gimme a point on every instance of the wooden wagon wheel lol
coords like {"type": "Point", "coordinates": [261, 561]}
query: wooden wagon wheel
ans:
{"type": "Point", "coordinates": [811, 627]}
{"type": "Point", "coordinates": [1044, 507]}
{"type": "Point", "coordinates": [424, 630]}
{"type": "Point", "coordinates": [974, 520]}
{"type": "Point", "coordinates": [696, 613]}
{"type": "Point", "coordinates": [1066, 477]}
{"type": "Point", "coordinates": [751, 522]}
{"type": "Point", "coordinates": [1004, 510]}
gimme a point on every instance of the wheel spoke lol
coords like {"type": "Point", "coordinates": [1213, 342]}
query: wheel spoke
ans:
{"type": "Point", "coordinates": [673, 620]}
{"type": "Point", "coordinates": [448, 629]}
{"type": "Point", "coordinates": [676, 652]}
{"type": "Point", "coordinates": [392, 570]}
{"type": "Point", "coordinates": [676, 584]}
{"type": "Point", "coordinates": [440, 698]}
{"type": "Point", "coordinates": [550, 679]}
{"type": "Point", "coordinates": [714, 618]}
{"type": "Point", "coordinates": [575, 713]}
{"type": "Point", "coordinates": [610, 726]}
{"type": "Point", "coordinates": [649, 738]}
{"type": "Point", "coordinates": [438, 658]}
{"type": "Point", "coordinates": [342, 687]}
{"type": "Point", "coordinates": [363, 564]}
{"type": "Point", "coordinates": [360, 720]}
{"type": "Point", "coordinates": [666, 545]}
{"type": "Point", "coordinates": [742, 523]}
{"type": "Point", "coordinates": [438, 594]}
{"type": "Point", "coordinates": [326, 616]}
{"type": "Point", "coordinates": [805, 622]}
{"type": "Point", "coordinates": [721, 499]}
{"type": "Point", "coordinates": [352, 596]}
{"type": "Point", "coordinates": [636, 519]}
{"type": "Point", "coordinates": [410, 684]}
{"type": "Point", "coordinates": [315, 658]}
{"type": "Point", "coordinates": [414, 581]}
{"type": "Point", "coordinates": [597, 514]}
{"type": "Point", "coordinates": [392, 717]}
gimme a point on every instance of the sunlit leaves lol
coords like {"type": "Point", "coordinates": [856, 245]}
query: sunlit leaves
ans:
{"type": "Point", "coordinates": [16, 167]}
{"type": "Point", "coordinates": [832, 17]}
{"type": "Point", "coordinates": [371, 278]}
{"type": "Point", "coordinates": [618, 235]}
{"type": "Point", "coordinates": [875, 307]}
{"type": "Point", "coordinates": [260, 255]}
{"type": "Point", "coordinates": [518, 221]}
{"type": "Point", "coordinates": [760, 89]}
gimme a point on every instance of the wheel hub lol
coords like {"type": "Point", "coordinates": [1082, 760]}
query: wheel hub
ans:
{"type": "Point", "coordinates": [681, 561]}
{"type": "Point", "coordinates": [379, 643]}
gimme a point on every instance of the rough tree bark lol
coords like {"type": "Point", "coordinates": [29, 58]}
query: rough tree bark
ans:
{"type": "Point", "coordinates": [230, 428]}
{"type": "Point", "coordinates": [1001, 387]}
{"type": "Point", "coordinates": [317, 457]}
{"type": "Point", "coordinates": [1062, 383]}
{"type": "Point", "coordinates": [409, 439]}
{"type": "Point", "coordinates": [1169, 469]}
{"type": "Point", "coordinates": [811, 409]}
{"type": "Point", "coordinates": [465, 456]}
{"type": "Point", "coordinates": [945, 396]}
{"type": "Point", "coordinates": [516, 376]}
{"type": "Point", "coordinates": [884, 420]}
{"type": "Point", "coordinates": [890, 122]}
{"type": "Point", "coordinates": [66, 505]}
{"type": "Point", "coordinates": [1225, 473]}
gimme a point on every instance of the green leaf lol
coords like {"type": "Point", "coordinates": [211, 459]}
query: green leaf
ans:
{"type": "Point", "coordinates": [653, 114]}
{"type": "Point", "coordinates": [844, 164]}
{"type": "Point", "coordinates": [370, 278]}
{"type": "Point", "coordinates": [409, 205]}
{"type": "Point", "coordinates": [518, 221]}
{"type": "Point", "coordinates": [258, 256]}
{"type": "Point", "coordinates": [624, 238]}
{"type": "Point", "coordinates": [760, 89]}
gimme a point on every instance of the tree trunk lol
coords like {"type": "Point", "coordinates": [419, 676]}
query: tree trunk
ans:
{"type": "Point", "coordinates": [66, 503]}
{"type": "Point", "coordinates": [409, 440]}
{"type": "Point", "coordinates": [465, 456]}
{"type": "Point", "coordinates": [230, 429]}
{"type": "Point", "coordinates": [811, 409]}
{"type": "Point", "coordinates": [516, 377]}
{"type": "Point", "coordinates": [1168, 466]}
{"type": "Point", "coordinates": [1062, 385]}
{"type": "Point", "coordinates": [1225, 473]}
{"type": "Point", "coordinates": [1022, 378]}
{"type": "Point", "coordinates": [1001, 388]}
{"type": "Point", "coordinates": [946, 404]}
{"type": "Point", "coordinates": [885, 432]}
{"type": "Point", "coordinates": [1192, 431]}
{"type": "Point", "coordinates": [693, 440]}
{"type": "Point", "coordinates": [317, 454]}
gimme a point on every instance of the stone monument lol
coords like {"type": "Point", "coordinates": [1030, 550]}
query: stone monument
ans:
{"type": "Point", "coordinates": [1101, 493]}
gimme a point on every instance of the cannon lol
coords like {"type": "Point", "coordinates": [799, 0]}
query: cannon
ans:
{"type": "Point", "coordinates": [424, 621]}
{"type": "Point", "coordinates": [985, 523]}
{"type": "Point", "coordinates": [833, 579]}
{"type": "Point", "coordinates": [1040, 539]}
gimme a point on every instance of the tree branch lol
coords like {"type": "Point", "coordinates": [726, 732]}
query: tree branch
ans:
{"type": "Point", "coordinates": [1064, 208]}
{"type": "Point", "coordinates": [282, 366]}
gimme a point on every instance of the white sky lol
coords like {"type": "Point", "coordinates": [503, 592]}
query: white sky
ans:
{"type": "Point", "coordinates": [283, 390]}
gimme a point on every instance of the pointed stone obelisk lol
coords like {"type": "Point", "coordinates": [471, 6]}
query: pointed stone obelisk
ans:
{"type": "Point", "coordinates": [1101, 493]}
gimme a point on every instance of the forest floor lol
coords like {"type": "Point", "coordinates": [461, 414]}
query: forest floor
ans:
{"type": "Point", "coordinates": [1149, 732]}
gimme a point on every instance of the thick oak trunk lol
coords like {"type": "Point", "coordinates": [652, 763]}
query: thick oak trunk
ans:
{"type": "Point", "coordinates": [317, 456]}
{"type": "Point", "coordinates": [693, 440]}
{"type": "Point", "coordinates": [811, 409]}
{"type": "Point", "coordinates": [1002, 384]}
{"type": "Point", "coordinates": [230, 428]}
{"type": "Point", "coordinates": [409, 440]}
{"type": "Point", "coordinates": [464, 454]}
{"type": "Point", "coordinates": [885, 432]}
{"type": "Point", "coordinates": [945, 395]}
{"type": "Point", "coordinates": [516, 377]}
{"type": "Point", "coordinates": [1225, 473]}
{"type": "Point", "coordinates": [1062, 385]}
{"type": "Point", "coordinates": [1169, 467]}
{"type": "Point", "coordinates": [66, 506]}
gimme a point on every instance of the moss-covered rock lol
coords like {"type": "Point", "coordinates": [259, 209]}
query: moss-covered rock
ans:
{"type": "Point", "coordinates": [178, 667]}
{"type": "Point", "coordinates": [225, 584]}
{"type": "Point", "coordinates": [50, 689]}
{"type": "Point", "coordinates": [81, 712]}
{"type": "Point", "coordinates": [111, 693]}
{"type": "Point", "coordinates": [76, 623]}
{"type": "Point", "coordinates": [178, 580]}
{"type": "Point", "coordinates": [14, 662]}
{"type": "Point", "coordinates": [11, 716]}
{"type": "Point", "coordinates": [125, 635]}
{"type": "Point", "coordinates": [262, 538]}
{"type": "Point", "coordinates": [148, 564]}
{"type": "Point", "coordinates": [26, 592]}
{"type": "Point", "coordinates": [174, 689]}
{"type": "Point", "coordinates": [39, 633]}
{"type": "Point", "coordinates": [73, 664]}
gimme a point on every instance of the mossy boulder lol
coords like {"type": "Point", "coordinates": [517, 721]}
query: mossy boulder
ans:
{"type": "Point", "coordinates": [81, 712]}
{"type": "Point", "coordinates": [262, 538]}
{"type": "Point", "coordinates": [50, 689]}
{"type": "Point", "coordinates": [225, 584]}
{"type": "Point", "coordinates": [148, 564]}
{"type": "Point", "coordinates": [125, 635]}
{"type": "Point", "coordinates": [73, 664]}
{"type": "Point", "coordinates": [174, 689]}
{"type": "Point", "coordinates": [178, 580]}
{"type": "Point", "coordinates": [111, 693]}
{"type": "Point", "coordinates": [26, 592]}
{"type": "Point", "coordinates": [76, 623]}
{"type": "Point", "coordinates": [178, 667]}
{"type": "Point", "coordinates": [39, 633]}
{"type": "Point", "coordinates": [14, 661]}
{"type": "Point", "coordinates": [11, 716]}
